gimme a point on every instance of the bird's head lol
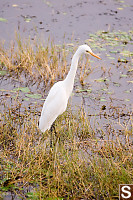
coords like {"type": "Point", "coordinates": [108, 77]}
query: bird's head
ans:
{"type": "Point", "coordinates": [87, 50]}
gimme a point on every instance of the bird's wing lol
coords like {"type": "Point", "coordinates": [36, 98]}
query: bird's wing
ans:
{"type": "Point", "coordinates": [54, 105]}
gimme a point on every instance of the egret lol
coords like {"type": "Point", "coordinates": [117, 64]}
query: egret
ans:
{"type": "Point", "coordinates": [57, 99]}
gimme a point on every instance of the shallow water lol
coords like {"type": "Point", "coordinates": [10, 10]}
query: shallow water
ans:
{"type": "Point", "coordinates": [54, 19]}
{"type": "Point", "coordinates": [107, 93]}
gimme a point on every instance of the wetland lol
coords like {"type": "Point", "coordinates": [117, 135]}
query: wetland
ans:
{"type": "Point", "coordinates": [93, 151]}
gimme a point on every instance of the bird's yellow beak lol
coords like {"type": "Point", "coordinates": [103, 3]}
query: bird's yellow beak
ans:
{"type": "Point", "coordinates": [94, 55]}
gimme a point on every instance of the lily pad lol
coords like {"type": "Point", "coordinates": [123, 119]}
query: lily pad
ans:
{"type": "Point", "coordinates": [112, 58]}
{"type": "Point", "coordinates": [130, 81]}
{"type": "Point", "coordinates": [127, 99]}
{"type": "Point", "coordinates": [26, 99]}
{"type": "Point", "coordinates": [117, 84]}
{"type": "Point", "coordinates": [22, 89]}
{"type": "Point", "coordinates": [120, 8]}
{"type": "Point", "coordinates": [25, 89]}
{"type": "Point", "coordinates": [101, 80]}
{"type": "Point", "coordinates": [127, 53]}
{"type": "Point", "coordinates": [103, 99]}
{"type": "Point", "coordinates": [14, 5]}
{"type": "Point", "coordinates": [104, 89]}
{"type": "Point", "coordinates": [3, 19]}
{"type": "Point", "coordinates": [123, 60]}
{"type": "Point", "coordinates": [113, 51]}
{"type": "Point", "coordinates": [3, 72]}
{"type": "Point", "coordinates": [27, 19]}
{"type": "Point", "coordinates": [130, 70]}
{"type": "Point", "coordinates": [34, 96]}
{"type": "Point", "coordinates": [83, 90]}
{"type": "Point", "coordinates": [127, 91]}
{"type": "Point", "coordinates": [123, 75]}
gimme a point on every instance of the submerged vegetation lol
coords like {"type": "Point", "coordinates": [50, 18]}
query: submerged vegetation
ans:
{"type": "Point", "coordinates": [79, 166]}
{"type": "Point", "coordinates": [88, 161]}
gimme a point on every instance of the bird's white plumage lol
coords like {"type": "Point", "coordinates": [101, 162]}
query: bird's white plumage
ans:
{"type": "Point", "coordinates": [55, 105]}
{"type": "Point", "coordinates": [56, 101]}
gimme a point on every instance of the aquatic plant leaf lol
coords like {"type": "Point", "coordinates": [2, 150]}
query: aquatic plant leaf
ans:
{"type": "Point", "coordinates": [14, 5]}
{"type": "Point", "coordinates": [27, 19]}
{"type": "Point", "coordinates": [48, 3]}
{"type": "Point", "coordinates": [113, 51]}
{"type": "Point", "coordinates": [127, 53]}
{"type": "Point", "coordinates": [104, 89]}
{"type": "Point", "coordinates": [15, 89]}
{"type": "Point", "coordinates": [3, 19]}
{"type": "Point", "coordinates": [117, 84]}
{"type": "Point", "coordinates": [22, 89]}
{"type": "Point", "coordinates": [26, 99]}
{"type": "Point", "coordinates": [102, 49]}
{"type": "Point", "coordinates": [109, 92]}
{"type": "Point", "coordinates": [123, 60]}
{"type": "Point", "coordinates": [31, 195]}
{"type": "Point", "coordinates": [83, 90]}
{"type": "Point", "coordinates": [3, 72]}
{"type": "Point", "coordinates": [111, 58]}
{"type": "Point", "coordinates": [123, 75]}
{"type": "Point", "coordinates": [55, 198]}
{"type": "Point", "coordinates": [120, 8]}
{"type": "Point", "coordinates": [103, 99]}
{"type": "Point", "coordinates": [127, 91]}
{"type": "Point", "coordinates": [127, 99]}
{"type": "Point", "coordinates": [101, 80]}
{"type": "Point", "coordinates": [89, 90]}
{"type": "Point", "coordinates": [130, 81]}
{"type": "Point", "coordinates": [34, 96]}
{"type": "Point", "coordinates": [130, 70]}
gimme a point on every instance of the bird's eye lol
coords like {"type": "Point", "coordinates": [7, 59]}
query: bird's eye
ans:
{"type": "Point", "coordinates": [87, 51]}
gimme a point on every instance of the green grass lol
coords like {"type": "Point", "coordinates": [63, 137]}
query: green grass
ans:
{"type": "Point", "coordinates": [79, 165]}
{"type": "Point", "coordinates": [82, 164]}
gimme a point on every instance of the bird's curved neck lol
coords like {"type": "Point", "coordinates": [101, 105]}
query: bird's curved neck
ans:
{"type": "Point", "coordinates": [72, 72]}
{"type": "Point", "coordinates": [69, 80]}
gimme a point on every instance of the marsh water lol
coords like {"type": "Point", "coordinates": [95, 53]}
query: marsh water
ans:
{"type": "Point", "coordinates": [107, 93]}
{"type": "Point", "coordinates": [54, 19]}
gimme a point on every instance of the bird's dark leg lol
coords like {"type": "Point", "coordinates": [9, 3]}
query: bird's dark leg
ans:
{"type": "Point", "coordinates": [53, 125]}
{"type": "Point", "coordinates": [52, 130]}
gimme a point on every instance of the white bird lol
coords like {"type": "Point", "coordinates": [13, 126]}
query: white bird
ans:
{"type": "Point", "coordinates": [56, 101]}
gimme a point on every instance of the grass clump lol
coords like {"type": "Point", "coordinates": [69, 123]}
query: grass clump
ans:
{"type": "Point", "coordinates": [84, 163]}
{"type": "Point", "coordinates": [76, 167]}
{"type": "Point", "coordinates": [38, 62]}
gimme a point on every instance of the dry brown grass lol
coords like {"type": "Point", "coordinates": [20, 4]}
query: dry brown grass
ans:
{"type": "Point", "coordinates": [80, 165]}
{"type": "Point", "coordinates": [41, 62]}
